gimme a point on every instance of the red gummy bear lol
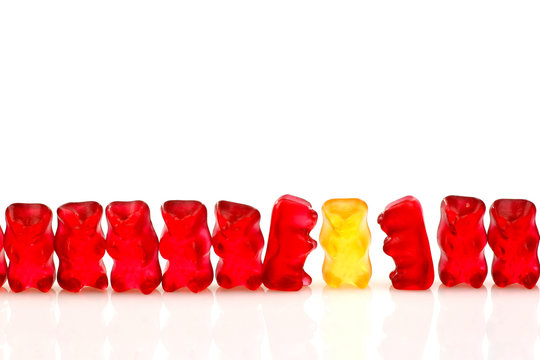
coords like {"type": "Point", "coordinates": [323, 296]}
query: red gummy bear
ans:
{"type": "Point", "coordinates": [133, 244]}
{"type": "Point", "coordinates": [186, 243]}
{"type": "Point", "coordinates": [289, 244]}
{"type": "Point", "coordinates": [80, 245]}
{"type": "Point", "coordinates": [462, 238]}
{"type": "Point", "coordinates": [407, 243]}
{"type": "Point", "coordinates": [238, 241]}
{"type": "Point", "coordinates": [3, 263]}
{"type": "Point", "coordinates": [29, 244]}
{"type": "Point", "coordinates": [513, 236]}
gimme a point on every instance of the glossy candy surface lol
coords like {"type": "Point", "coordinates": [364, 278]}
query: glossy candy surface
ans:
{"type": "Point", "coordinates": [345, 237]}
{"type": "Point", "coordinates": [133, 244]}
{"type": "Point", "coordinates": [3, 263]}
{"type": "Point", "coordinates": [407, 243]}
{"type": "Point", "coordinates": [80, 245]}
{"type": "Point", "coordinates": [462, 238]}
{"type": "Point", "coordinates": [29, 245]}
{"type": "Point", "coordinates": [289, 244]}
{"type": "Point", "coordinates": [513, 236]}
{"type": "Point", "coordinates": [186, 243]}
{"type": "Point", "coordinates": [238, 241]}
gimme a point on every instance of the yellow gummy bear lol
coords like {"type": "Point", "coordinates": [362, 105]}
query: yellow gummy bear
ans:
{"type": "Point", "coordinates": [345, 238]}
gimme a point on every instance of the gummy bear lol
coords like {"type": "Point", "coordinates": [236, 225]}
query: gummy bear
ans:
{"type": "Point", "coordinates": [407, 243]}
{"type": "Point", "coordinates": [29, 244]}
{"type": "Point", "coordinates": [186, 243]}
{"type": "Point", "coordinates": [3, 263]}
{"type": "Point", "coordinates": [345, 237]}
{"type": "Point", "coordinates": [462, 238]}
{"type": "Point", "coordinates": [133, 244]}
{"type": "Point", "coordinates": [80, 245]}
{"type": "Point", "coordinates": [289, 244]}
{"type": "Point", "coordinates": [238, 241]}
{"type": "Point", "coordinates": [513, 236]}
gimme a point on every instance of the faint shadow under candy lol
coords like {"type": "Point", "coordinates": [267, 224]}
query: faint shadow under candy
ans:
{"type": "Point", "coordinates": [187, 332]}
{"type": "Point", "coordinates": [345, 326]}
{"type": "Point", "coordinates": [290, 329]}
{"type": "Point", "coordinates": [407, 327]}
{"type": "Point", "coordinates": [512, 327]}
{"type": "Point", "coordinates": [134, 330]}
{"type": "Point", "coordinates": [461, 322]}
{"type": "Point", "coordinates": [4, 317]}
{"type": "Point", "coordinates": [239, 329]}
{"type": "Point", "coordinates": [82, 324]}
{"type": "Point", "coordinates": [32, 325]}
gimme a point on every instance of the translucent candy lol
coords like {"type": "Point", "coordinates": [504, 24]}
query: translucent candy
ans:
{"type": "Point", "coordinates": [345, 237]}
{"type": "Point", "coordinates": [29, 245]}
{"type": "Point", "coordinates": [407, 243]}
{"type": "Point", "coordinates": [513, 236]}
{"type": "Point", "coordinates": [462, 238]}
{"type": "Point", "coordinates": [3, 263]}
{"type": "Point", "coordinates": [80, 246]}
{"type": "Point", "coordinates": [186, 243]}
{"type": "Point", "coordinates": [238, 241]}
{"type": "Point", "coordinates": [133, 244]}
{"type": "Point", "coordinates": [289, 244]}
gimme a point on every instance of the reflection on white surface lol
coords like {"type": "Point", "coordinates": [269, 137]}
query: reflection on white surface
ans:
{"type": "Point", "coordinates": [315, 323]}
{"type": "Point", "coordinates": [513, 325]}
{"type": "Point", "coordinates": [239, 328]}
{"type": "Point", "coordinates": [134, 331]}
{"type": "Point", "coordinates": [295, 340]}
{"type": "Point", "coordinates": [187, 330]}
{"type": "Point", "coordinates": [4, 316]}
{"type": "Point", "coordinates": [461, 308]}
{"type": "Point", "coordinates": [407, 328]}
{"type": "Point", "coordinates": [345, 325]}
{"type": "Point", "coordinates": [81, 324]}
{"type": "Point", "coordinates": [32, 324]}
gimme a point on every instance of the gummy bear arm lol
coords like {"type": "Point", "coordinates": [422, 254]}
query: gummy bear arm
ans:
{"type": "Point", "coordinates": [165, 247]}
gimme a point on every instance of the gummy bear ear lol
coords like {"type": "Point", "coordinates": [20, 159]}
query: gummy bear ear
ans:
{"type": "Point", "coordinates": [68, 216]}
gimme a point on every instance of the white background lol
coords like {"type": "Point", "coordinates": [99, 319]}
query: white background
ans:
{"type": "Point", "coordinates": [249, 100]}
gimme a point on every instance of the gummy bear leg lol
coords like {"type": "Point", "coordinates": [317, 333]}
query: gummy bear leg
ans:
{"type": "Point", "coordinates": [254, 282]}
{"type": "Point", "coordinates": [362, 281]}
{"type": "Point", "coordinates": [529, 280]}
{"type": "Point", "coordinates": [70, 284]}
{"type": "Point", "coordinates": [15, 285]}
{"type": "Point", "coordinates": [45, 284]}
{"type": "Point", "coordinates": [201, 282]}
{"type": "Point", "coordinates": [195, 286]}
{"type": "Point", "coordinates": [149, 285]}
{"type": "Point", "coordinates": [306, 279]}
{"type": "Point", "coordinates": [118, 284]}
{"type": "Point", "coordinates": [332, 280]}
{"type": "Point", "coordinates": [447, 279]}
{"type": "Point", "coordinates": [169, 285]}
{"type": "Point", "coordinates": [500, 280]}
{"type": "Point", "coordinates": [224, 281]}
{"type": "Point", "coordinates": [102, 282]}
{"type": "Point", "coordinates": [477, 280]}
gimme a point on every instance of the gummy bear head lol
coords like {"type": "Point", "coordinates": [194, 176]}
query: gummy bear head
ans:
{"type": "Point", "coordinates": [233, 218]}
{"type": "Point", "coordinates": [345, 215]}
{"type": "Point", "coordinates": [513, 216]}
{"type": "Point", "coordinates": [29, 220]}
{"type": "Point", "coordinates": [79, 216]}
{"type": "Point", "coordinates": [401, 214]}
{"type": "Point", "coordinates": [128, 218]}
{"type": "Point", "coordinates": [295, 218]}
{"type": "Point", "coordinates": [463, 212]}
{"type": "Point", "coordinates": [182, 217]}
